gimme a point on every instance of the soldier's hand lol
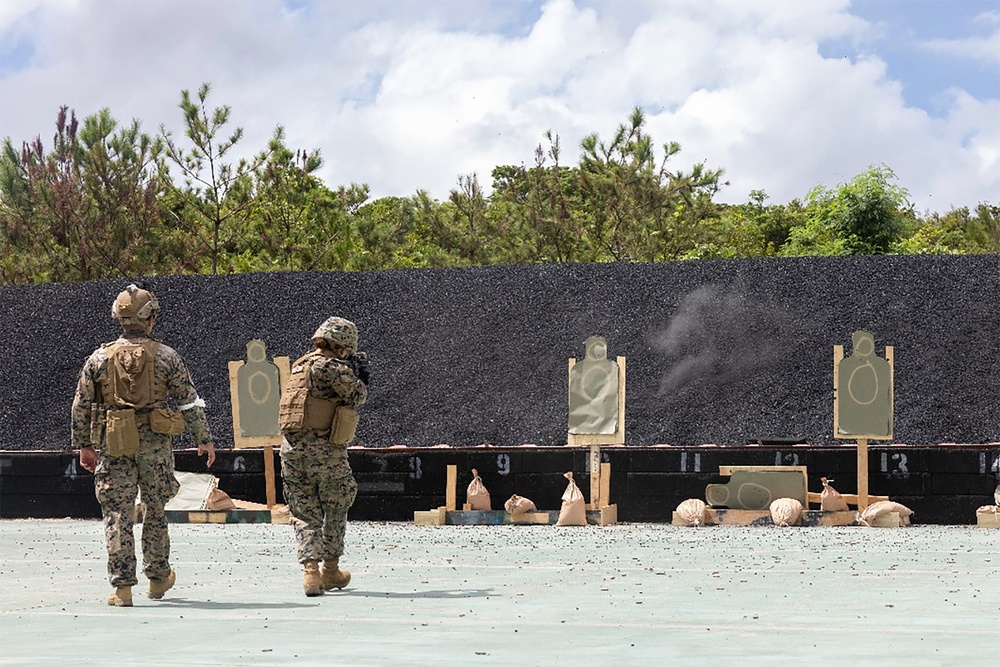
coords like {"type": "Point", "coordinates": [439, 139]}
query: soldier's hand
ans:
{"type": "Point", "coordinates": [360, 367]}
{"type": "Point", "coordinates": [208, 449]}
{"type": "Point", "coordinates": [88, 458]}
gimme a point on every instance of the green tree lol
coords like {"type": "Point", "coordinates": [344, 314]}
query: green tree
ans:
{"type": "Point", "coordinates": [461, 227]}
{"type": "Point", "coordinates": [866, 216]}
{"type": "Point", "coordinates": [217, 196]}
{"type": "Point", "coordinates": [752, 229]}
{"type": "Point", "coordinates": [296, 223]}
{"type": "Point", "coordinates": [535, 210]}
{"type": "Point", "coordinates": [635, 208]}
{"type": "Point", "coordinates": [83, 209]}
{"type": "Point", "coordinates": [959, 231]}
{"type": "Point", "coordinates": [385, 234]}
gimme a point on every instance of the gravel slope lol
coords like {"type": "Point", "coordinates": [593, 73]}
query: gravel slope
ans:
{"type": "Point", "coordinates": [718, 351]}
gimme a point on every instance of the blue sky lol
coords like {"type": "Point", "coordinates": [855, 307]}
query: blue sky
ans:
{"type": "Point", "coordinates": [905, 35]}
{"type": "Point", "coordinates": [402, 95]}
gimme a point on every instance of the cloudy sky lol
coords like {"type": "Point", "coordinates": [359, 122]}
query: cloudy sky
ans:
{"type": "Point", "coordinates": [411, 94]}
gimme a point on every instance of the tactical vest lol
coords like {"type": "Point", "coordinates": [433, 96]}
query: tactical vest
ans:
{"type": "Point", "coordinates": [130, 381]}
{"type": "Point", "coordinates": [298, 410]}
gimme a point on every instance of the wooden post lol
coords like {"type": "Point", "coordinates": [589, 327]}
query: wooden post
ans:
{"type": "Point", "coordinates": [451, 492]}
{"type": "Point", "coordinates": [269, 482]}
{"type": "Point", "coordinates": [621, 401]}
{"type": "Point", "coordinates": [605, 485]}
{"type": "Point", "coordinates": [595, 477]}
{"type": "Point", "coordinates": [862, 474]}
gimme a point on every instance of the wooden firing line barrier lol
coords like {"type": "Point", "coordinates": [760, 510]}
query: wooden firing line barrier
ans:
{"type": "Point", "coordinates": [600, 512]}
{"type": "Point", "coordinates": [747, 517]}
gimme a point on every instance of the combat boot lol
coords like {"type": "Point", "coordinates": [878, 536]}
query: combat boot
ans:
{"type": "Point", "coordinates": [122, 597]}
{"type": "Point", "coordinates": [157, 587]}
{"type": "Point", "coordinates": [333, 576]}
{"type": "Point", "coordinates": [312, 582]}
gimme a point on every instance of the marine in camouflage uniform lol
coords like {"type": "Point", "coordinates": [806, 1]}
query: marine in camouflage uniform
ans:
{"type": "Point", "coordinates": [317, 418]}
{"type": "Point", "coordinates": [117, 478]}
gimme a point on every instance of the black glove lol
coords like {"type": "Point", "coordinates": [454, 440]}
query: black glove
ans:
{"type": "Point", "coordinates": [359, 364]}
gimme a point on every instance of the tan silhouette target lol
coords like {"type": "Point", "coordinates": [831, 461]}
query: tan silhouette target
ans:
{"type": "Point", "coordinates": [255, 390]}
{"type": "Point", "coordinates": [257, 383]}
{"type": "Point", "coordinates": [596, 413]}
{"type": "Point", "coordinates": [593, 391]}
{"type": "Point", "coordinates": [863, 390]}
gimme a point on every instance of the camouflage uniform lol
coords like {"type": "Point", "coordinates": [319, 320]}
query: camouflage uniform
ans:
{"type": "Point", "coordinates": [319, 485]}
{"type": "Point", "coordinates": [151, 470]}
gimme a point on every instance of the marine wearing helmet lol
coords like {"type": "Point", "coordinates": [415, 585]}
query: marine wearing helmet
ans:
{"type": "Point", "coordinates": [338, 332]}
{"type": "Point", "coordinates": [318, 417]}
{"type": "Point", "coordinates": [133, 308]}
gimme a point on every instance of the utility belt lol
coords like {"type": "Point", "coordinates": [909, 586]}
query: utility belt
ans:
{"type": "Point", "coordinates": [121, 427]}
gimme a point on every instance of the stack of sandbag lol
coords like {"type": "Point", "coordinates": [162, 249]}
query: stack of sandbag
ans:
{"type": "Point", "coordinates": [693, 512]}
{"type": "Point", "coordinates": [786, 512]}
{"type": "Point", "coordinates": [518, 505]}
{"type": "Point", "coordinates": [574, 508]}
{"type": "Point", "coordinates": [830, 499]}
{"type": "Point", "coordinates": [477, 496]}
{"type": "Point", "coordinates": [881, 508]}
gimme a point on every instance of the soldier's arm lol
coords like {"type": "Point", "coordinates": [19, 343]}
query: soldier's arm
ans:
{"type": "Point", "coordinates": [335, 380]}
{"type": "Point", "coordinates": [192, 407]}
{"type": "Point", "coordinates": [81, 416]}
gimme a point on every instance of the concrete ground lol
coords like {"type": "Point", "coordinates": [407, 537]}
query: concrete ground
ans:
{"type": "Point", "coordinates": [632, 594]}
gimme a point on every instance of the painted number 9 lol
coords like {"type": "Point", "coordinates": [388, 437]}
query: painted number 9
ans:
{"type": "Point", "coordinates": [503, 464]}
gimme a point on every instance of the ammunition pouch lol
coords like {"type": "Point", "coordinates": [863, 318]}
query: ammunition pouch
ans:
{"type": "Point", "coordinates": [166, 421]}
{"type": "Point", "coordinates": [121, 433]}
{"type": "Point", "coordinates": [345, 423]}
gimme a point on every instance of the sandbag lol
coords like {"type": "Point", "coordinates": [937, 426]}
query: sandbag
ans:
{"type": "Point", "coordinates": [477, 496]}
{"type": "Point", "coordinates": [786, 512]}
{"type": "Point", "coordinates": [882, 508]}
{"type": "Point", "coordinates": [830, 499]}
{"type": "Point", "coordinates": [194, 492]}
{"type": "Point", "coordinates": [574, 509]}
{"type": "Point", "coordinates": [517, 505]}
{"type": "Point", "coordinates": [693, 512]}
{"type": "Point", "coordinates": [219, 500]}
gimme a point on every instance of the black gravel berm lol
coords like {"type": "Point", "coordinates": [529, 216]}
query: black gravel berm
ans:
{"type": "Point", "coordinates": [722, 352]}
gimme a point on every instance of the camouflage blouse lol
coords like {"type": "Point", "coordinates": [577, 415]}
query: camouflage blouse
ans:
{"type": "Point", "coordinates": [330, 379]}
{"type": "Point", "coordinates": [168, 366]}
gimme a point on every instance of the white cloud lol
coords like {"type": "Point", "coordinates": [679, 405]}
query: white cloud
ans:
{"type": "Point", "coordinates": [407, 96]}
{"type": "Point", "coordinates": [982, 48]}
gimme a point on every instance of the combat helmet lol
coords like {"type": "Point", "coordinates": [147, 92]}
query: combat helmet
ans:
{"type": "Point", "coordinates": [133, 306]}
{"type": "Point", "coordinates": [339, 332]}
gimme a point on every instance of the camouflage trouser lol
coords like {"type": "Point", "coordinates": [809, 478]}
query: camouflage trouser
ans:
{"type": "Point", "coordinates": [319, 489]}
{"type": "Point", "coordinates": [116, 482]}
